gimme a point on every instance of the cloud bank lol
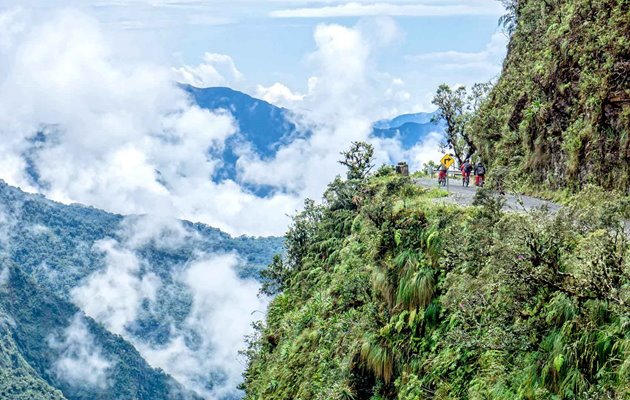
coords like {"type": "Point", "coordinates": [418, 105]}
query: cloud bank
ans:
{"type": "Point", "coordinates": [81, 362]}
{"type": "Point", "coordinates": [346, 94]}
{"type": "Point", "coordinates": [113, 296]}
{"type": "Point", "coordinates": [215, 70]}
{"type": "Point", "coordinates": [202, 351]}
{"type": "Point", "coordinates": [80, 125]}
{"type": "Point", "coordinates": [223, 309]}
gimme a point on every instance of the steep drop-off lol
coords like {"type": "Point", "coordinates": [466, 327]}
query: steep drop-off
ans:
{"type": "Point", "coordinates": [386, 294]}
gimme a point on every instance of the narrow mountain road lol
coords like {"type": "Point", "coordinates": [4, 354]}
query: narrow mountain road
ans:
{"type": "Point", "coordinates": [465, 195]}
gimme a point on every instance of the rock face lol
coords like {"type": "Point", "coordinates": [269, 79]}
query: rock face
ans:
{"type": "Point", "coordinates": [402, 169]}
{"type": "Point", "coordinates": [560, 113]}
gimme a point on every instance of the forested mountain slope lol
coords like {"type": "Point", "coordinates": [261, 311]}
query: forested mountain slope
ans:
{"type": "Point", "coordinates": [38, 332]}
{"type": "Point", "coordinates": [559, 115]}
{"type": "Point", "coordinates": [147, 283]}
{"type": "Point", "coordinates": [46, 237]}
{"type": "Point", "coordinates": [386, 294]}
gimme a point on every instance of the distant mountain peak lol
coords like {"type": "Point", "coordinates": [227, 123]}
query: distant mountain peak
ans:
{"type": "Point", "coordinates": [264, 128]}
{"type": "Point", "coordinates": [422, 118]}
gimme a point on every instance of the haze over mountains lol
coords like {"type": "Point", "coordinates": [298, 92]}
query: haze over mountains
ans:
{"type": "Point", "coordinates": [108, 292]}
{"type": "Point", "coordinates": [264, 128]}
{"type": "Point", "coordinates": [116, 133]}
{"type": "Point", "coordinates": [94, 304]}
{"type": "Point", "coordinates": [144, 197]}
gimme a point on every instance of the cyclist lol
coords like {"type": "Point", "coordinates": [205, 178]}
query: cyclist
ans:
{"type": "Point", "coordinates": [480, 174]}
{"type": "Point", "coordinates": [466, 169]}
{"type": "Point", "coordinates": [442, 171]}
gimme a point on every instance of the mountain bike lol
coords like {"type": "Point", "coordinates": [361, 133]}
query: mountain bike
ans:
{"type": "Point", "coordinates": [465, 179]}
{"type": "Point", "coordinates": [442, 179]}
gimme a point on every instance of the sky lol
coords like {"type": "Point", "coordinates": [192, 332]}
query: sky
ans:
{"type": "Point", "coordinates": [96, 78]}
{"type": "Point", "coordinates": [269, 40]}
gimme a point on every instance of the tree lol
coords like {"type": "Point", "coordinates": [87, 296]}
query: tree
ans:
{"type": "Point", "coordinates": [358, 159]}
{"type": "Point", "coordinates": [301, 234]}
{"type": "Point", "coordinates": [478, 94]}
{"type": "Point", "coordinates": [509, 21]}
{"type": "Point", "coordinates": [452, 108]}
{"type": "Point", "coordinates": [456, 107]}
{"type": "Point", "coordinates": [275, 277]}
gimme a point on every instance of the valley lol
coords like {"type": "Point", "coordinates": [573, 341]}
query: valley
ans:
{"type": "Point", "coordinates": [212, 201]}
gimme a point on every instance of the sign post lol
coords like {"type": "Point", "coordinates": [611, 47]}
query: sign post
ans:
{"type": "Point", "coordinates": [448, 162]}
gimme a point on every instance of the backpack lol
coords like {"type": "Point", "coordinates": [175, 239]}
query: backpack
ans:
{"type": "Point", "coordinates": [481, 170]}
{"type": "Point", "coordinates": [467, 168]}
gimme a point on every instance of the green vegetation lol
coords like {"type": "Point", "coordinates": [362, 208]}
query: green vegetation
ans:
{"type": "Point", "coordinates": [53, 245]}
{"type": "Point", "coordinates": [386, 294]}
{"type": "Point", "coordinates": [559, 116]}
{"type": "Point", "coordinates": [456, 106]}
{"type": "Point", "coordinates": [31, 317]}
{"type": "Point", "coordinates": [50, 248]}
{"type": "Point", "coordinates": [18, 380]}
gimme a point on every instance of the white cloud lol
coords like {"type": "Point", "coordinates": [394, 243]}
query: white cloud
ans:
{"type": "Point", "coordinates": [489, 59]}
{"type": "Point", "coordinates": [345, 95]}
{"type": "Point", "coordinates": [279, 95]}
{"type": "Point", "coordinates": [4, 275]}
{"type": "Point", "coordinates": [122, 137]}
{"type": "Point", "coordinates": [11, 24]}
{"type": "Point", "coordinates": [9, 216]}
{"type": "Point", "coordinates": [222, 311]}
{"type": "Point", "coordinates": [381, 31]}
{"type": "Point", "coordinates": [119, 135]}
{"type": "Point", "coordinates": [356, 9]}
{"type": "Point", "coordinates": [113, 296]}
{"type": "Point", "coordinates": [335, 112]}
{"type": "Point", "coordinates": [160, 231]}
{"type": "Point", "coordinates": [420, 154]}
{"type": "Point", "coordinates": [81, 362]}
{"type": "Point", "coordinates": [215, 70]}
{"type": "Point", "coordinates": [39, 229]}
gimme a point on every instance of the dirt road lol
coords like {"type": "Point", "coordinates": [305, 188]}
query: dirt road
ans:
{"type": "Point", "coordinates": [465, 196]}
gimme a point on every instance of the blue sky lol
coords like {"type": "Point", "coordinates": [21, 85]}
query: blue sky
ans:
{"type": "Point", "coordinates": [270, 40]}
{"type": "Point", "coordinates": [268, 50]}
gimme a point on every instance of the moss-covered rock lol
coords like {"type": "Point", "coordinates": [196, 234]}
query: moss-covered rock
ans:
{"type": "Point", "coordinates": [559, 115]}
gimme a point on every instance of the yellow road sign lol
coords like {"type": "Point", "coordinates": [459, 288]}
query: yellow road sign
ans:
{"type": "Point", "coordinates": [448, 161]}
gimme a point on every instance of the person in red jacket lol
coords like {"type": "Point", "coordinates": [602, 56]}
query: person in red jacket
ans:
{"type": "Point", "coordinates": [442, 171]}
{"type": "Point", "coordinates": [480, 174]}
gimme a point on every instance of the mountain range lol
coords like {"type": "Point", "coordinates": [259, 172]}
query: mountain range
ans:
{"type": "Point", "coordinates": [409, 129]}
{"type": "Point", "coordinates": [264, 128]}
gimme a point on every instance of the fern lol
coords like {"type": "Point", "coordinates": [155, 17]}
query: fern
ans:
{"type": "Point", "coordinates": [379, 358]}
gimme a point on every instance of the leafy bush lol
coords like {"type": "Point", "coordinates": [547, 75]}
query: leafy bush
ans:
{"type": "Point", "coordinates": [420, 300]}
